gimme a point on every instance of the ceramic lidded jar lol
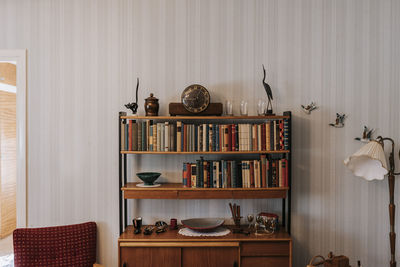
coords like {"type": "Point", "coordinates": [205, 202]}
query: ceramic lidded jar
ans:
{"type": "Point", "coordinates": [151, 106]}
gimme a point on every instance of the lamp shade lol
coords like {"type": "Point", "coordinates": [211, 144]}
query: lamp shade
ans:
{"type": "Point", "coordinates": [369, 162]}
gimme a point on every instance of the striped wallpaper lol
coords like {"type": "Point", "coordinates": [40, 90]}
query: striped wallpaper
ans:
{"type": "Point", "coordinates": [83, 61]}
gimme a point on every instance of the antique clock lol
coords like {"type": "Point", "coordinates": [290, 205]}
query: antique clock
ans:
{"type": "Point", "coordinates": [195, 98]}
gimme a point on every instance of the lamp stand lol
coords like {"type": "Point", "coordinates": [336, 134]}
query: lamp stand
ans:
{"type": "Point", "coordinates": [392, 206]}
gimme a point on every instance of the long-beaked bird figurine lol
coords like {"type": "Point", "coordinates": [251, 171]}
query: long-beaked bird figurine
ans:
{"type": "Point", "coordinates": [134, 105]}
{"type": "Point", "coordinates": [269, 93]}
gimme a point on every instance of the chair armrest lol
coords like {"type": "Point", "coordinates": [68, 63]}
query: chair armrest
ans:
{"type": "Point", "coordinates": [97, 265]}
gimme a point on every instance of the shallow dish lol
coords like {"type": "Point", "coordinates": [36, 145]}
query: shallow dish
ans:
{"type": "Point", "coordinates": [148, 177]}
{"type": "Point", "coordinates": [202, 224]}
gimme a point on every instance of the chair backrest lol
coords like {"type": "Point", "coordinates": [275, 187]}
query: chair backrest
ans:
{"type": "Point", "coordinates": [71, 245]}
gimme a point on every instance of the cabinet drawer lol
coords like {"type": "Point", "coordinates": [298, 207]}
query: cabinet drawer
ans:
{"type": "Point", "coordinates": [265, 262]}
{"type": "Point", "coordinates": [265, 248]}
{"type": "Point", "coordinates": [149, 257]}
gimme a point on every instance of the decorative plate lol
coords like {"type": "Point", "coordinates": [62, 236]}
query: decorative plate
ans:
{"type": "Point", "coordinates": [202, 224]}
{"type": "Point", "coordinates": [145, 185]}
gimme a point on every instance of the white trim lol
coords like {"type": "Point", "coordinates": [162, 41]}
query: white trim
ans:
{"type": "Point", "coordinates": [8, 88]}
{"type": "Point", "coordinates": [19, 56]}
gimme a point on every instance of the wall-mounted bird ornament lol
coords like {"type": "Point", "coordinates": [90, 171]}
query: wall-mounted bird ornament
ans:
{"type": "Point", "coordinates": [366, 136]}
{"type": "Point", "coordinates": [339, 122]}
{"type": "Point", "coordinates": [269, 94]}
{"type": "Point", "coordinates": [310, 107]}
{"type": "Point", "coordinates": [134, 105]}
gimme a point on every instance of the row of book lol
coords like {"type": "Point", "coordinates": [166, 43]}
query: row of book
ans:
{"type": "Point", "coordinates": [147, 135]}
{"type": "Point", "coordinates": [262, 173]}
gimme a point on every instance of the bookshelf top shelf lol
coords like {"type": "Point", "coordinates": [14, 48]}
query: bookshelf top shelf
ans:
{"type": "Point", "coordinates": [175, 118]}
{"type": "Point", "coordinates": [206, 152]}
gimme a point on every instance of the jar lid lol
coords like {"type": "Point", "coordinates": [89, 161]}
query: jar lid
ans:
{"type": "Point", "coordinates": [151, 98]}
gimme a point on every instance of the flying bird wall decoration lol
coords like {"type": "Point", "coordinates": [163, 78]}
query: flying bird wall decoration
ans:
{"type": "Point", "coordinates": [366, 135]}
{"type": "Point", "coordinates": [339, 122]}
{"type": "Point", "coordinates": [310, 107]}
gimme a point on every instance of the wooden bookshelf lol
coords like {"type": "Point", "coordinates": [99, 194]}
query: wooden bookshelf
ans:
{"type": "Point", "coordinates": [177, 118]}
{"type": "Point", "coordinates": [177, 191]}
{"type": "Point", "coordinates": [206, 153]}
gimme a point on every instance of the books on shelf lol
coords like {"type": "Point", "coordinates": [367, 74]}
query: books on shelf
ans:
{"type": "Point", "coordinates": [149, 135]}
{"type": "Point", "coordinates": [262, 173]}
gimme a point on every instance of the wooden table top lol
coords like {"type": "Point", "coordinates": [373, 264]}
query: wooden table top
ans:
{"type": "Point", "coordinates": [172, 235]}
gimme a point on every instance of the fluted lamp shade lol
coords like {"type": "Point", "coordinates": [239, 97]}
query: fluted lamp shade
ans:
{"type": "Point", "coordinates": [369, 162]}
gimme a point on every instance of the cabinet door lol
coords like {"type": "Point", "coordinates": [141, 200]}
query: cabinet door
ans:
{"type": "Point", "coordinates": [210, 257]}
{"type": "Point", "coordinates": [150, 257]}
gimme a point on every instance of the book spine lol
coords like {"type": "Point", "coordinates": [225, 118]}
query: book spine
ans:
{"type": "Point", "coordinates": [134, 136]}
{"type": "Point", "coordinates": [166, 136]}
{"type": "Point", "coordinates": [239, 181]}
{"type": "Point", "coordinates": [196, 138]}
{"type": "Point", "coordinates": [172, 136]}
{"type": "Point", "coordinates": [130, 135]}
{"type": "Point", "coordinates": [214, 176]}
{"type": "Point", "coordinates": [250, 137]}
{"type": "Point", "coordinates": [263, 171]}
{"type": "Point", "coordinates": [144, 134]}
{"type": "Point", "coordinates": [272, 136]}
{"type": "Point", "coordinates": [228, 174]}
{"type": "Point", "coordinates": [254, 136]}
{"type": "Point", "coordinates": [193, 172]}
{"type": "Point", "coordinates": [178, 136]}
{"type": "Point", "coordinates": [184, 134]}
{"type": "Point", "coordinates": [236, 137]}
{"type": "Point", "coordinates": [226, 138]}
{"type": "Point", "coordinates": [277, 132]}
{"type": "Point", "coordinates": [184, 174]}
{"type": "Point", "coordinates": [122, 137]}
{"type": "Point", "coordinates": [205, 174]}
{"type": "Point", "coordinates": [150, 139]}
{"type": "Point", "coordinates": [139, 139]}
{"type": "Point", "coordinates": [210, 137]}
{"type": "Point", "coordinates": [233, 137]}
{"type": "Point", "coordinates": [211, 173]}
{"type": "Point", "coordinates": [286, 134]}
{"type": "Point", "coordinates": [281, 134]}
{"type": "Point", "coordinates": [159, 137]}
{"type": "Point", "coordinates": [147, 135]}
{"type": "Point", "coordinates": [214, 139]}
{"type": "Point", "coordinates": [280, 178]}
{"type": "Point", "coordinates": [252, 181]}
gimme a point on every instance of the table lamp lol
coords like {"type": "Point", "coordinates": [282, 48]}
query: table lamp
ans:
{"type": "Point", "coordinates": [370, 163]}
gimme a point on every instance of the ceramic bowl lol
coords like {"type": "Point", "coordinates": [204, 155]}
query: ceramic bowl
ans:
{"type": "Point", "coordinates": [148, 178]}
{"type": "Point", "coordinates": [202, 224]}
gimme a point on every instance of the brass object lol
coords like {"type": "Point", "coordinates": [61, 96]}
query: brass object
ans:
{"type": "Point", "coordinates": [151, 105]}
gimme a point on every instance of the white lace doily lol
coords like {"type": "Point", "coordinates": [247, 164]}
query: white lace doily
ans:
{"type": "Point", "coordinates": [220, 231]}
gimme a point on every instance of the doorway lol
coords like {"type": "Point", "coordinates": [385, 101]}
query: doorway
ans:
{"type": "Point", "coordinates": [12, 148]}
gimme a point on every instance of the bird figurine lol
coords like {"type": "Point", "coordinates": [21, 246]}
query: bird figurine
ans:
{"type": "Point", "coordinates": [366, 136]}
{"type": "Point", "coordinates": [339, 123]}
{"type": "Point", "coordinates": [310, 107]}
{"type": "Point", "coordinates": [269, 93]}
{"type": "Point", "coordinates": [134, 105]}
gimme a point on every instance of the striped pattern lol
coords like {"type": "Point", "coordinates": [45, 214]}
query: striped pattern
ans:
{"type": "Point", "coordinates": [83, 60]}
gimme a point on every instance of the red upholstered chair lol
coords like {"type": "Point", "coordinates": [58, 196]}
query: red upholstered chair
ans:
{"type": "Point", "coordinates": [71, 245]}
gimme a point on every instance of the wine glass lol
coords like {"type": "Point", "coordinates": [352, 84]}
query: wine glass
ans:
{"type": "Point", "coordinates": [250, 219]}
{"type": "Point", "coordinates": [243, 108]}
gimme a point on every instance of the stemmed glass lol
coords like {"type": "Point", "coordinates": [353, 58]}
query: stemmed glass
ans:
{"type": "Point", "coordinates": [250, 219]}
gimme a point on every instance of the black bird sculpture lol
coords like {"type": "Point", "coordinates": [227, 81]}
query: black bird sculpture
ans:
{"type": "Point", "coordinates": [134, 105]}
{"type": "Point", "coordinates": [269, 93]}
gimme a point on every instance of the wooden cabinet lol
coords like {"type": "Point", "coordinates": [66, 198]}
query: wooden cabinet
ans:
{"type": "Point", "coordinates": [172, 249]}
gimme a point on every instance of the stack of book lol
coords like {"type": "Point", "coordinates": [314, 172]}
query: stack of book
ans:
{"type": "Point", "coordinates": [148, 135]}
{"type": "Point", "coordinates": [263, 173]}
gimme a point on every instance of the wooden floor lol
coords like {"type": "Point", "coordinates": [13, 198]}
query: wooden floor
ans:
{"type": "Point", "coordinates": [6, 246]}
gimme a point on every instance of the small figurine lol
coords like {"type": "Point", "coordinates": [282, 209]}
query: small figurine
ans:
{"type": "Point", "coordinates": [339, 123]}
{"type": "Point", "coordinates": [310, 107]}
{"type": "Point", "coordinates": [134, 105]}
{"type": "Point", "coordinates": [269, 94]}
{"type": "Point", "coordinates": [366, 136]}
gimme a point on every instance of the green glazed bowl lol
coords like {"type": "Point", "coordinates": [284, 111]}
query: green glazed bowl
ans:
{"type": "Point", "coordinates": [148, 177]}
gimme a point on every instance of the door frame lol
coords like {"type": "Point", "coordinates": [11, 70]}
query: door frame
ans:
{"type": "Point", "coordinates": [19, 56]}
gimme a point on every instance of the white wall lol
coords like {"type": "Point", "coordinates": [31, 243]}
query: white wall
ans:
{"type": "Point", "coordinates": [83, 60]}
